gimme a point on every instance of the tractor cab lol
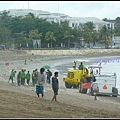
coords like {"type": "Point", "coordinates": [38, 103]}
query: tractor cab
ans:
{"type": "Point", "coordinates": [95, 70]}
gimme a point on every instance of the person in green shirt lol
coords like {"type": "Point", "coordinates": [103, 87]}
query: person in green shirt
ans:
{"type": "Point", "coordinates": [81, 66]}
{"type": "Point", "coordinates": [23, 77]}
{"type": "Point", "coordinates": [12, 75]}
{"type": "Point", "coordinates": [28, 77]}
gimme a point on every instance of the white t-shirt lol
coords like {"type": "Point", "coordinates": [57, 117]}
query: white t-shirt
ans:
{"type": "Point", "coordinates": [41, 79]}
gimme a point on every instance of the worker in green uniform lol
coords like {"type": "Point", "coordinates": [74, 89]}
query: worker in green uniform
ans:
{"type": "Point", "coordinates": [12, 75]}
{"type": "Point", "coordinates": [28, 77]}
{"type": "Point", "coordinates": [81, 66]}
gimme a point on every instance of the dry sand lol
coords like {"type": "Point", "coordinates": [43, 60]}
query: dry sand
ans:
{"type": "Point", "coordinates": [22, 102]}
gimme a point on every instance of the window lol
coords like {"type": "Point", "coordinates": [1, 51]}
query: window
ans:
{"type": "Point", "coordinates": [72, 24]}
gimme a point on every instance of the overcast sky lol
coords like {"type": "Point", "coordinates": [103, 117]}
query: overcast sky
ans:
{"type": "Point", "coordinates": [99, 9]}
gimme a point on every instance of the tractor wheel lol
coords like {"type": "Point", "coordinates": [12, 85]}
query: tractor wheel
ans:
{"type": "Point", "coordinates": [115, 91]}
{"type": "Point", "coordinates": [68, 85]}
{"type": "Point", "coordinates": [75, 86]}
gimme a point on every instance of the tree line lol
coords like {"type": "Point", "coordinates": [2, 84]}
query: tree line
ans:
{"type": "Point", "coordinates": [22, 30]}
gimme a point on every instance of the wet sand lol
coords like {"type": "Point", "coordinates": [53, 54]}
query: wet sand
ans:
{"type": "Point", "coordinates": [22, 101]}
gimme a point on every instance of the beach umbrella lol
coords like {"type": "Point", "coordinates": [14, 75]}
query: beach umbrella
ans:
{"type": "Point", "coordinates": [46, 67]}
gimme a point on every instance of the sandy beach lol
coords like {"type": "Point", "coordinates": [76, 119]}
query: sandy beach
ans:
{"type": "Point", "coordinates": [22, 101]}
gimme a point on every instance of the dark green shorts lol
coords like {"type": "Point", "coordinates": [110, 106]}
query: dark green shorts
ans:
{"type": "Point", "coordinates": [55, 91]}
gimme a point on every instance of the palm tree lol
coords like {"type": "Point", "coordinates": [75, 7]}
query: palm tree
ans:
{"type": "Point", "coordinates": [106, 36]}
{"type": "Point", "coordinates": [28, 24]}
{"type": "Point", "coordinates": [50, 36]}
{"type": "Point", "coordinates": [35, 35]}
{"type": "Point", "coordinates": [5, 34]}
{"type": "Point", "coordinates": [31, 14]}
{"type": "Point", "coordinates": [88, 30]}
{"type": "Point", "coordinates": [68, 36]}
{"type": "Point", "coordinates": [95, 36]}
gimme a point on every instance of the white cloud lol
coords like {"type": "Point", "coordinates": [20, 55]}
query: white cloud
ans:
{"type": "Point", "coordinates": [36, 5]}
{"type": "Point", "coordinates": [96, 9]}
{"type": "Point", "coordinates": [99, 9]}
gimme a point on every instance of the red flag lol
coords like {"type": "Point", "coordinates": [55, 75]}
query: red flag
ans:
{"type": "Point", "coordinates": [7, 63]}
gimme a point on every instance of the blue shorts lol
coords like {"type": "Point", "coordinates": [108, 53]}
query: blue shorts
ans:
{"type": "Point", "coordinates": [39, 89]}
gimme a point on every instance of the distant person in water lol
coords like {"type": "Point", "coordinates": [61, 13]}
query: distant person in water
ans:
{"type": "Point", "coordinates": [25, 62]}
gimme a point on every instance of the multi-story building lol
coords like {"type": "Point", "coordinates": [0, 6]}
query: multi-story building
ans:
{"type": "Point", "coordinates": [76, 21]}
{"type": "Point", "coordinates": [21, 12]}
{"type": "Point", "coordinates": [58, 17]}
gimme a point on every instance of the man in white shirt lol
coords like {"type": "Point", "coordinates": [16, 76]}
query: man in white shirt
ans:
{"type": "Point", "coordinates": [40, 83]}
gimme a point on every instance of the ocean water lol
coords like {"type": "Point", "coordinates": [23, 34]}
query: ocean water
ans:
{"type": "Point", "coordinates": [110, 64]}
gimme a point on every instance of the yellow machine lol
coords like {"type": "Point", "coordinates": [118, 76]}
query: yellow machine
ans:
{"type": "Point", "coordinates": [75, 75]}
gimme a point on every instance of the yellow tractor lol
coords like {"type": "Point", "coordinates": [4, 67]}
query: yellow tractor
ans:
{"type": "Point", "coordinates": [75, 75]}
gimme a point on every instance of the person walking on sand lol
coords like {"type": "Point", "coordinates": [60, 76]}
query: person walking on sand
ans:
{"type": "Point", "coordinates": [95, 88]}
{"type": "Point", "coordinates": [40, 83]}
{"type": "Point", "coordinates": [23, 77]}
{"type": "Point", "coordinates": [92, 80]}
{"type": "Point", "coordinates": [12, 75]}
{"type": "Point", "coordinates": [25, 62]}
{"type": "Point", "coordinates": [36, 75]}
{"type": "Point", "coordinates": [55, 86]}
{"type": "Point", "coordinates": [49, 74]}
{"type": "Point", "coordinates": [19, 78]}
{"type": "Point", "coordinates": [33, 77]}
{"type": "Point", "coordinates": [28, 77]}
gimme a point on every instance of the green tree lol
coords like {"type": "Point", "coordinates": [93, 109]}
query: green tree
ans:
{"type": "Point", "coordinates": [58, 32]}
{"type": "Point", "coordinates": [88, 30]}
{"type": "Point", "coordinates": [19, 39]}
{"type": "Point", "coordinates": [34, 34]}
{"type": "Point", "coordinates": [50, 36]}
{"type": "Point", "coordinates": [5, 17]}
{"type": "Point", "coordinates": [28, 24]}
{"type": "Point", "coordinates": [31, 15]}
{"type": "Point", "coordinates": [105, 19]}
{"type": "Point", "coordinates": [117, 19]}
{"type": "Point", "coordinates": [77, 33]}
{"type": "Point", "coordinates": [95, 36]}
{"type": "Point", "coordinates": [68, 36]}
{"type": "Point", "coordinates": [5, 35]}
{"type": "Point", "coordinates": [106, 36]}
{"type": "Point", "coordinates": [15, 24]}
